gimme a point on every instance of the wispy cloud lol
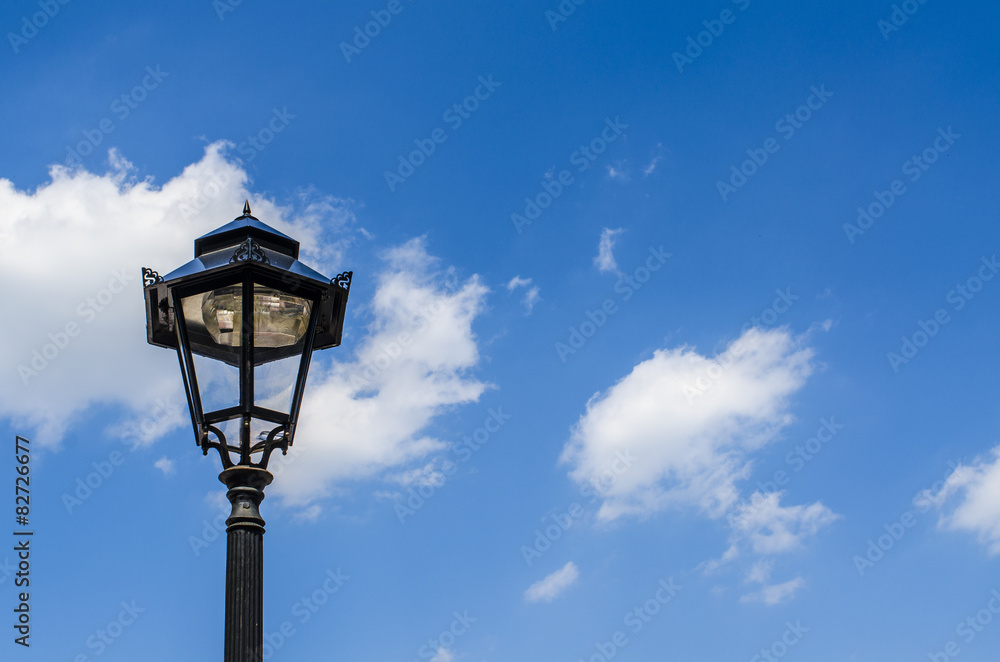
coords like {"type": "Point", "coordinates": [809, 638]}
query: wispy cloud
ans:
{"type": "Point", "coordinates": [760, 572]}
{"type": "Point", "coordinates": [774, 594]}
{"type": "Point", "coordinates": [424, 476]}
{"type": "Point", "coordinates": [618, 172]}
{"type": "Point", "coordinates": [531, 296]}
{"type": "Point", "coordinates": [605, 260]}
{"type": "Point", "coordinates": [549, 588]}
{"type": "Point", "coordinates": [517, 282]}
{"type": "Point", "coordinates": [310, 514]}
{"type": "Point", "coordinates": [443, 655]}
{"type": "Point", "coordinates": [654, 162]}
{"type": "Point", "coordinates": [165, 465]}
{"type": "Point", "coordinates": [771, 528]}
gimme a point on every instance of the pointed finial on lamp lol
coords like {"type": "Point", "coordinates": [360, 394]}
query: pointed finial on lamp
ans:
{"type": "Point", "coordinates": [246, 208]}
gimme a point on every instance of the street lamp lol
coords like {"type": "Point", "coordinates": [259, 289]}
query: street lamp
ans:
{"type": "Point", "coordinates": [245, 316]}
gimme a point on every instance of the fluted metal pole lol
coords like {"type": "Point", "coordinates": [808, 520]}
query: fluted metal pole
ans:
{"type": "Point", "coordinates": [245, 564]}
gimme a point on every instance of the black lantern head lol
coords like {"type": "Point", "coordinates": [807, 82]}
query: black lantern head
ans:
{"type": "Point", "coordinates": [245, 316]}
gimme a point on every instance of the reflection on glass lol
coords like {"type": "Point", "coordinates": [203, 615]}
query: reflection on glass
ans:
{"type": "Point", "coordinates": [279, 319]}
{"type": "Point", "coordinates": [274, 382]}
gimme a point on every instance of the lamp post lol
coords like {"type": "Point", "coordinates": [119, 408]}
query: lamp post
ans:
{"type": "Point", "coordinates": [245, 317]}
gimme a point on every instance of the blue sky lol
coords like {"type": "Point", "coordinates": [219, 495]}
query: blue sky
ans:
{"type": "Point", "coordinates": [671, 334]}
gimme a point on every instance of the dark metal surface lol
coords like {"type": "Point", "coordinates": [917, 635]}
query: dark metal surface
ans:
{"type": "Point", "coordinates": [246, 225]}
{"type": "Point", "coordinates": [187, 369]}
{"type": "Point", "coordinates": [244, 633]}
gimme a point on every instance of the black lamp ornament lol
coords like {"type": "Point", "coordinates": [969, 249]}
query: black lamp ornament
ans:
{"type": "Point", "coordinates": [245, 317]}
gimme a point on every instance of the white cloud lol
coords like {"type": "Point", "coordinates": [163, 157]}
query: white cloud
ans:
{"type": "Point", "coordinates": [694, 449]}
{"type": "Point", "coordinates": [651, 168]}
{"type": "Point", "coordinates": [696, 422]}
{"type": "Point", "coordinates": [517, 282]}
{"type": "Point", "coordinates": [774, 594]}
{"type": "Point", "coordinates": [425, 476]}
{"type": "Point", "coordinates": [605, 260]}
{"type": "Point", "coordinates": [770, 594]}
{"type": "Point", "coordinates": [443, 655]}
{"type": "Point", "coordinates": [771, 528]}
{"type": "Point", "coordinates": [531, 297]}
{"type": "Point", "coordinates": [969, 500]}
{"type": "Point", "coordinates": [75, 247]}
{"type": "Point", "coordinates": [165, 465]}
{"type": "Point", "coordinates": [549, 588]}
{"type": "Point", "coordinates": [714, 565]}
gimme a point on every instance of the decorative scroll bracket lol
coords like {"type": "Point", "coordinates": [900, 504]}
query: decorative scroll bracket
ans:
{"type": "Point", "coordinates": [343, 281]}
{"type": "Point", "coordinates": [150, 277]}
{"type": "Point", "coordinates": [249, 251]}
{"type": "Point", "coordinates": [232, 455]}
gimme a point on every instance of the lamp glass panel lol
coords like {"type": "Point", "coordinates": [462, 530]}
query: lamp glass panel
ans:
{"type": "Point", "coordinates": [218, 382]}
{"type": "Point", "coordinates": [215, 320]}
{"type": "Point", "coordinates": [221, 313]}
{"type": "Point", "coordinates": [274, 383]}
{"type": "Point", "coordinates": [215, 367]}
{"type": "Point", "coordinates": [280, 319]}
{"type": "Point", "coordinates": [204, 334]}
